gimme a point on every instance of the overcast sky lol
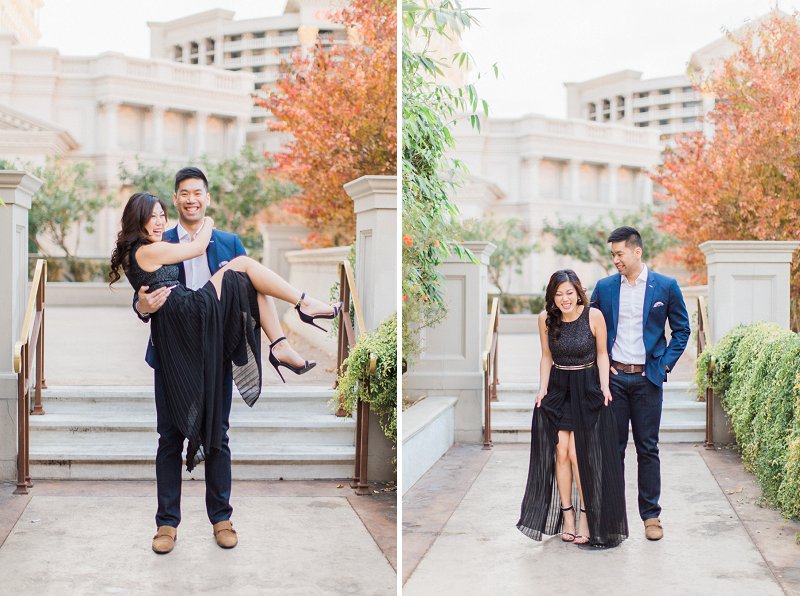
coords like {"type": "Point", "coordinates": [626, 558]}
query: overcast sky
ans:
{"type": "Point", "coordinates": [89, 27]}
{"type": "Point", "coordinates": [539, 45]}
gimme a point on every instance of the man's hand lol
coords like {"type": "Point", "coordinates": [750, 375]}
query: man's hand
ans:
{"type": "Point", "coordinates": [147, 304]}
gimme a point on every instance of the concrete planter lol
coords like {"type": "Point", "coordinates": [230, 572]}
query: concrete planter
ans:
{"type": "Point", "coordinates": [428, 432]}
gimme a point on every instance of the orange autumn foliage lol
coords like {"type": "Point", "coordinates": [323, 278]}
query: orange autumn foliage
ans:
{"type": "Point", "coordinates": [339, 104]}
{"type": "Point", "coordinates": [743, 183]}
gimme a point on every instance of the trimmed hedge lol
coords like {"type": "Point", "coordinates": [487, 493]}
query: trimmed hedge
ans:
{"type": "Point", "coordinates": [757, 379]}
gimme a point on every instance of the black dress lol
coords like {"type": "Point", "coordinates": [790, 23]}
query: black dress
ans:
{"type": "Point", "coordinates": [195, 335]}
{"type": "Point", "coordinates": [574, 402]}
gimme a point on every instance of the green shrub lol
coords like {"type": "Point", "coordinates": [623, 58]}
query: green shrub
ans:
{"type": "Point", "coordinates": [380, 389]}
{"type": "Point", "coordinates": [757, 379]}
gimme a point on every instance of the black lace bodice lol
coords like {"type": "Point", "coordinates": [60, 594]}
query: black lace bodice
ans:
{"type": "Point", "coordinates": [576, 344]}
{"type": "Point", "coordinates": [166, 275]}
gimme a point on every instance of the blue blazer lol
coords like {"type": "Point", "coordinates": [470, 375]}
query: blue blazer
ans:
{"type": "Point", "coordinates": [222, 248]}
{"type": "Point", "coordinates": [663, 301]}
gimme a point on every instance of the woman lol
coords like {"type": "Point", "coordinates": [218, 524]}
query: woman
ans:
{"type": "Point", "coordinates": [573, 432]}
{"type": "Point", "coordinates": [196, 332]}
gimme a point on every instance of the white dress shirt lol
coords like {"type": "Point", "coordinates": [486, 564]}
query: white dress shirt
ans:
{"type": "Point", "coordinates": [628, 346]}
{"type": "Point", "coordinates": [197, 271]}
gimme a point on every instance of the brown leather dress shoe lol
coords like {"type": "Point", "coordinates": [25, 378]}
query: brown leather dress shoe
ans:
{"type": "Point", "coordinates": [164, 540]}
{"type": "Point", "coordinates": [653, 529]}
{"type": "Point", "coordinates": [225, 534]}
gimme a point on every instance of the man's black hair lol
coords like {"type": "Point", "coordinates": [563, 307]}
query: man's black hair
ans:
{"type": "Point", "coordinates": [190, 174]}
{"type": "Point", "coordinates": [626, 234]}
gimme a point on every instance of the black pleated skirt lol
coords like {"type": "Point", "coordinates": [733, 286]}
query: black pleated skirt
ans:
{"type": "Point", "coordinates": [196, 336]}
{"type": "Point", "coordinates": [599, 462]}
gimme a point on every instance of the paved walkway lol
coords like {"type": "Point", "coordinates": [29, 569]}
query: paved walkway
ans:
{"type": "Point", "coordinates": [459, 534]}
{"type": "Point", "coordinates": [304, 537]}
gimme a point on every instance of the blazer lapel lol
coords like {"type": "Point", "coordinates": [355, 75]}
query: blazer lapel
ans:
{"type": "Point", "coordinates": [211, 255]}
{"type": "Point", "coordinates": [615, 302]}
{"type": "Point", "coordinates": [649, 294]}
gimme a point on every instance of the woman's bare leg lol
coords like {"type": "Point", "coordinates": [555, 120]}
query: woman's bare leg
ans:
{"type": "Point", "coordinates": [267, 282]}
{"type": "Point", "coordinates": [583, 525]}
{"type": "Point", "coordinates": [564, 479]}
{"type": "Point", "coordinates": [270, 323]}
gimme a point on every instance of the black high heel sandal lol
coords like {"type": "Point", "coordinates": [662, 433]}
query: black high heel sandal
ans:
{"type": "Point", "coordinates": [565, 534]}
{"type": "Point", "coordinates": [306, 318]}
{"type": "Point", "coordinates": [588, 540]}
{"type": "Point", "coordinates": [298, 370]}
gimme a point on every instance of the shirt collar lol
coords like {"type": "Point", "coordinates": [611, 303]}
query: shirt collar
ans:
{"type": "Point", "coordinates": [182, 233]}
{"type": "Point", "coordinates": [642, 278]}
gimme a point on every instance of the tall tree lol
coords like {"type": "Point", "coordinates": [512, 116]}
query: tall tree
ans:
{"type": "Point", "coordinates": [743, 183]}
{"type": "Point", "coordinates": [339, 103]}
{"type": "Point", "coordinates": [63, 207]}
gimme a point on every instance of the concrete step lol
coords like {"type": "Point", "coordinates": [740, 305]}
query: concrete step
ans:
{"type": "Point", "coordinates": [682, 418]}
{"type": "Point", "coordinates": [109, 432]}
{"type": "Point", "coordinates": [134, 461]}
{"type": "Point", "coordinates": [273, 398]}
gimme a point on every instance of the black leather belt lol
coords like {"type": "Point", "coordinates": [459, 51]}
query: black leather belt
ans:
{"type": "Point", "coordinates": [627, 368]}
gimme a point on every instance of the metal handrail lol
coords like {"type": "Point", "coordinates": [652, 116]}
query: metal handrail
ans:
{"type": "Point", "coordinates": [703, 333]}
{"type": "Point", "coordinates": [346, 340]}
{"type": "Point", "coordinates": [31, 340]}
{"type": "Point", "coordinates": [490, 372]}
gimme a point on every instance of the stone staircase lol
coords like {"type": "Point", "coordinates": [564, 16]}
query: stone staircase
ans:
{"type": "Point", "coordinates": [683, 418]}
{"type": "Point", "coordinates": [109, 433]}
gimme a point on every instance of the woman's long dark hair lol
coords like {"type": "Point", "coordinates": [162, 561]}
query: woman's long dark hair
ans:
{"type": "Point", "coordinates": [137, 212]}
{"type": "Point", "coordinates": [553, 321]}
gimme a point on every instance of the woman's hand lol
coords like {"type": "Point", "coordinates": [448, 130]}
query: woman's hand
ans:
{"type": "Point", "coordinates": [540, 396]}
{"type": "Point", "coordinates": [606, 395]}
{"type": "Point", "coordinates": [209, 222]}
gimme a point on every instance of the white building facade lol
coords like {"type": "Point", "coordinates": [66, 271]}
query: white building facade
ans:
{"type": "Point", "coordinates": [111, 109]}
{"type": "Point", "coordinates": [543, 170]}
{"type": "Point", "coordinates": [256, 46]}
{"type": "Point", "coordinates": [669, 104]}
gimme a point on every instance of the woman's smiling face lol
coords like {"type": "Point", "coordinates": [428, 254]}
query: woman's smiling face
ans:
{"type": "Point", "coordinates": [156, 224]}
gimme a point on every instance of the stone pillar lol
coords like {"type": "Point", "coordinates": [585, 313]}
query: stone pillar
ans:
{"type": "Point", "coordinates": [375, 201]}
{"type": "Point", "coordinates": [530, 178]}
{"type": "Point", "coordinates": [613, 183]}
{"type": "Point", "coordinates": [218, 54]}
{"type": "Point", "coordinates": [278, 240]}
{"type": "Point", "coordinates": [240, 134]}
{"type": "Point", "coordinates": [16, 190]}
{"type": "Point", "coordinates": [157, 113]}
{"type": "Point", "coordinates": [186, 53]}
{"type": "Point", "coordinates": [647, 183]}
{"type": "Point", "coordinates": [111, 108]}
{"type": "Point", "coordinates": [748, 281]}
{"type": "Point", "coordinates": [574, 181]}
{"type": "Point", "coordinates": [375, 205]}
{"type": "Point", "coordinates": [200, 120]}
{"type": "Point", "coordinates": [451, 360]}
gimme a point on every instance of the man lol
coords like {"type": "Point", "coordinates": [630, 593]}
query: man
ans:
{"type": "Point", "coordinates": [636, 303]}
{"type": "Point", "coordinates": [191, 199]}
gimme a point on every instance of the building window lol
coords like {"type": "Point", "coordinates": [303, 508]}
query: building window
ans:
{"type": "Point", "coordinates": [642, 110]}
{"type": "Point", "coordinates": [592, 111]}
{"type": "Point", "coordinates": [663, 122]}
{"type": "Point", "coordinates": [642, 124]}
{"type": "Point", "coordinates": [689, 120]}
{"type": "Point", "coordinates": [178, 53]}
{"type": "Point", "coordinates": [691, 104]}
{"type": "Point", "coordinates": [664, 91]}
{"type": "Point", "coordinates": [641, 94]}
